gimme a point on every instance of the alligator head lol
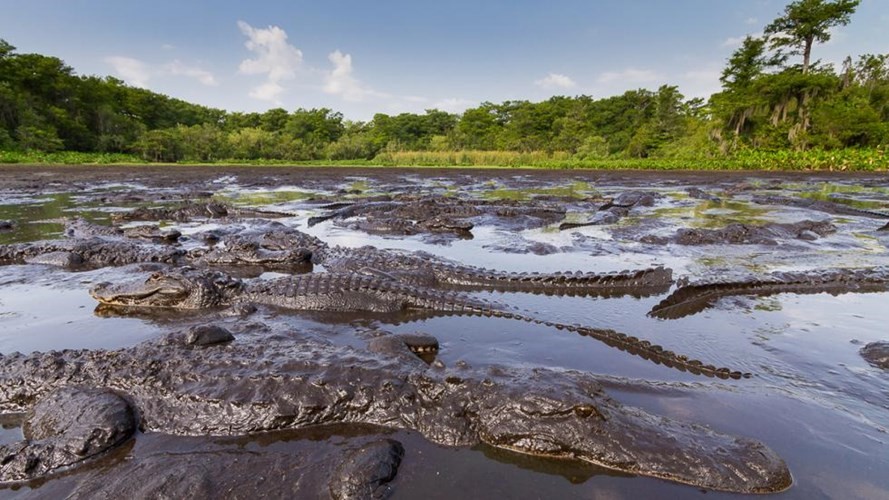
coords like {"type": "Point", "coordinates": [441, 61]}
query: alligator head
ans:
{"type": "Point", "coordinates": [184, 288]}
{"type": "Point", "coordinates": [250, 252]}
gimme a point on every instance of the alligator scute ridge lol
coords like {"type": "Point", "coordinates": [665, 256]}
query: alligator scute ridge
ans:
{"type": "Point", "coordinates": [222, 391]}
{"type": "Point", "coordinates": [696, 297]}
{"type": "Point", "coordinates": [189, 288]}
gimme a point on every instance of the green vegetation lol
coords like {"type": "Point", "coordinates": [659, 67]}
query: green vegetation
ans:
{"type": "Point", "coordinates": [778, 109]}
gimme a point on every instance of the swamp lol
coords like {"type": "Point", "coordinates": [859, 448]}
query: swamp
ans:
{"type": "Point", "coordinates": [725, 331]}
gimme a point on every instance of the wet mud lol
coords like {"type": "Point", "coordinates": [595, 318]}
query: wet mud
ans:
{"type": "Point", "coordinates": [406, 372]}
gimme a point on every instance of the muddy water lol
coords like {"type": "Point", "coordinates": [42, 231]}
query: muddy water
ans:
{"type": "Point", "coordinates": [812, 398]}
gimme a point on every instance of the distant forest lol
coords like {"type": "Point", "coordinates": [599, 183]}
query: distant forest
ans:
{"type": "Point", "coordinates": [775, 96]}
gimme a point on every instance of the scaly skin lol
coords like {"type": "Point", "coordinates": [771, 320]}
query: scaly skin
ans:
{"type": "Point", "coordinates": [271, 384]}
{"type": "Point", "coordinates": [194, 210]}
{"type": "Point", "coordinates": [694, 298]}
{"type": "Point", "coordinates": [424, 269]}
{"type": "Point", "coordinates": [821, 206]}
{"type": "Point", "coordinates": [348, 292]}
{"type": "Point", "coordinates": [90, 252]}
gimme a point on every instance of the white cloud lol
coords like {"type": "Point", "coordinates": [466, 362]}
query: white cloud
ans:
{"type": "Point", "coordinates": [751, 21]}
{"type": "Point", "coordinates": [268, 91]}
{"type": "Point", "coordinates": [700, 82]}
{"type": "Point", "coordinates": [274, 57]}
{"type": "Point", "coordinates": [453, 105]}
{"type": "Point", "coordinates": [132, 71]}
{"type": "Point", "coordinates": [168, 46]}
{"type": "Point", "coordinates": [630, 76]}
{"type": "Point", "coordinates": [138, 73]}
{"type": "Point", "coordinates": [341, 82]}
{"type": "Point", "coordinates": [178, 68]}
{"type": "Point", "coordinates": [735, 42]}
{"type": "Point", "coordinates": [556, 81]}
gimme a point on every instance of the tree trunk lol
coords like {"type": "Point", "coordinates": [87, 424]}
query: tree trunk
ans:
{"type": "Point", "coordinates": [807, 54]}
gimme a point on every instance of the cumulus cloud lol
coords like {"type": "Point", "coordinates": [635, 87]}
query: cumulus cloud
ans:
{"type": "Point", "coordinates": [132, 71]}
{"type": "Point", "coordinates": [273, 57]}
{"type": "Point", "coordinates": [341, 82]}
{"type": "Point", "coordinates": [178, 68]}
{"type": "Point", "coordinates": [629, 76]}
{"type": "Point", "coordinates": [702, 82]}
{"type": "Point", "coordinates": [453, 105]}
{"type": "Point", "coordinates": [138, 73]}
{"type": "Point", "coordinates": [734, 42]}
{"type": "Point", "coordinates": [556, 81]}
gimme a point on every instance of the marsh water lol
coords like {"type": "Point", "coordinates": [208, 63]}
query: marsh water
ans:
{"type": "Point", "coordinates": [811, 397]}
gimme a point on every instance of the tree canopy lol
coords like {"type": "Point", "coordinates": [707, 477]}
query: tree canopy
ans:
{"type": "Point", "coordinates": [766, 102]}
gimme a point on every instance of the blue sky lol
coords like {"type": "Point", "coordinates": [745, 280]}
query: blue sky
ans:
{"type": "Point", "coordinates": [361, 57]}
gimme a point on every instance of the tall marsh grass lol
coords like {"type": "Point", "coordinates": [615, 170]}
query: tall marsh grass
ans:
{"type": "Point", "coordinates": [876, 159]}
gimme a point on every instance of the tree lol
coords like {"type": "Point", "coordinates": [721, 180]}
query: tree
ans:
{"type": "Point", "coordinates": [745, 64]}
{"type": "Point", "coordinates": [808, 21]}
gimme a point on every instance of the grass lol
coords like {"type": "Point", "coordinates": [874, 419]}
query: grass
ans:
{"type": "Point", "coordinates": [867, 160]}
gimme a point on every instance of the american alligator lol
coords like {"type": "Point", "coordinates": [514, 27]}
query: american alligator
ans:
{"type": "Point", "coordinates": [424, 269]}
{"type": "Point", "coordinates": [194, 210]}
{"type": "Point", "coordinates": [339, 462]}
{"type": "Point", "coordinates": [274, 383]}
{"type": "Point", "coordinates": [189, 288]}
{"type": "Point", "coordinates": [81, 228]}
{"type": "Point", "coordinates": [747, 234]}
{"type": "Point", "coordinates": [93, 245]}
{"type": "Point", "coordinates": [694, 298]}
{"type": "Point", "coordinates": [614, 209]}
{"type": "Point", "coordinates": [699, 194]}
{"type": "Point", "coordinates": [89, 252]}
{"type": "Point", "coordinates": [820, 206]}
{"type": "Point", "coordinates": [438, 214]}
{"type": "Point", "coordinates": [277, 246]}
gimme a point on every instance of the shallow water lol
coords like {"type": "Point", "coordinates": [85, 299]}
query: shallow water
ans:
{"type": "Point", "coordinates": [812, 398]}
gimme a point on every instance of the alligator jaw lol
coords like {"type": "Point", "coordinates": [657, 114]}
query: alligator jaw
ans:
{"type": "Point", "coordinates": [105, 293]}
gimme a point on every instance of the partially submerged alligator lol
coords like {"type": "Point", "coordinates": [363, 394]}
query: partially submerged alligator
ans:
{"type": "Point", "coordinates": [696, 297]}
{"type": "Point", "coordinates": [80, 228]}
{"type": "Point", "coordinates": [189, 288]}
{"type": "Point", "coordinates": [194, 210]}
{"type": "Point", "coordinates": [92, 245]}
{"type": "Point", "coordinates": [275, 245]}
{"type": "Point", "coordinates": [225, 390]}
{"type": "Point", "coordinates": [820, 206]}
{"type": "Point", "coordinates": [747, 234]}
{"type": "Point", "coordinates": [408, 215]}
{"type": "Point", "coordinates": [615, 209]}
{"type": "Point", "coordinates": [424, 269]}
{"type": "Point", "coordinates": [89, 252]}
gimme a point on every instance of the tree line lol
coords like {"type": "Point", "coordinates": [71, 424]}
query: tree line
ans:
{"type": "Point", "coordinates": [775, 96]}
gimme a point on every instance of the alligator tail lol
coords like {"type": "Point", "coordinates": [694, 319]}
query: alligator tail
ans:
{"type": "Point", "coordinates": [643, 282]}
{"type": "Point", "coordinates": [627, 343]}
{"type": "Point", "coordinates": [692, 299]}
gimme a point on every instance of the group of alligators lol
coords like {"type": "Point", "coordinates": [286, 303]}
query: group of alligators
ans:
{"type": "Point", "coordinates": [81, 404]}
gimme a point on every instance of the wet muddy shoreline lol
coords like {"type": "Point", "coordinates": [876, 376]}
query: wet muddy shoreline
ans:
{"type": "Point", "coordinates": [781, 276]}
{"type": "Point", "coordinates": [23, 176]}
